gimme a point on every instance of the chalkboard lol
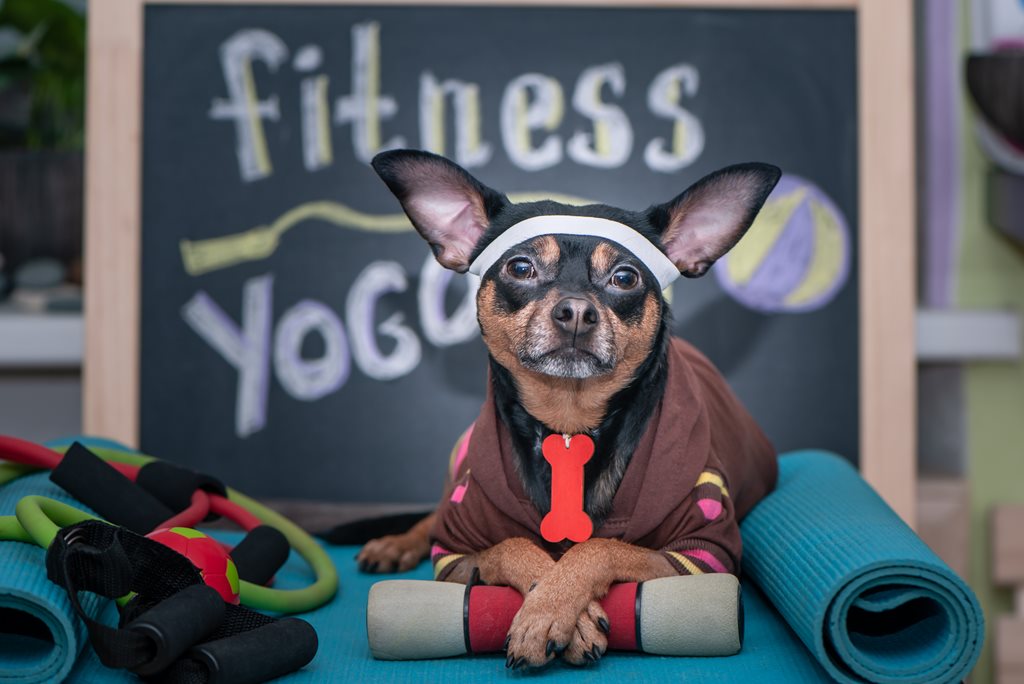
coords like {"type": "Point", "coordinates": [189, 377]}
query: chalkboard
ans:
{"type": "Point", "coordinates": [297, 338]}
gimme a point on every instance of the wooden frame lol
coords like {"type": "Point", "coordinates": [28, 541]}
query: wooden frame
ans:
{"type": "Point", "coordinates": [886, 209]}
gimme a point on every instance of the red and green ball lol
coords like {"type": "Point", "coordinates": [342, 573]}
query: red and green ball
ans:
{"type": "Point", "coordinates": [210, 558]}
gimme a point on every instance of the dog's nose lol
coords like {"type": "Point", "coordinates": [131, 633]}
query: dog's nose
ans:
{"type": "Point", "coordinates": [575, 315]}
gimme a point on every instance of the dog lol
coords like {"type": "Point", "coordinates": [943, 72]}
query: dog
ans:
{"type": "Point", "coordinates": [571, 310]}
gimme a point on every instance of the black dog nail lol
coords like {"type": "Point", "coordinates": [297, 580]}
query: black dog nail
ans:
{"type": "Point", "coordinates": [372, 567]}
{"type": "Point", "coordinates": [588, 656]}
{"type": "Point", "coordinates": [532, 587]}
{"type": "Point", "coordinates": [603, 624]}
{"type": "Point", "coordinates": [508, 640]}
{"type": "Point", "coordinates": [550, 647]}
{"type": "Point", "coordinates": [508, 661]}
{"type": "Point", "coordinates": [519, 663]}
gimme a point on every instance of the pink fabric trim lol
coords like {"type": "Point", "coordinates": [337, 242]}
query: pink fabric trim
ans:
{"type": "Point", "coordinates": [438, 550]}
{"type": "Point", "coordinates": [706, 558]}
{"type": "Point", "coordinates": [458, 493]}
{"type": "Point", "coordinates": [463, 450]}
{"type": "Point", "coordinates": [712, 509]}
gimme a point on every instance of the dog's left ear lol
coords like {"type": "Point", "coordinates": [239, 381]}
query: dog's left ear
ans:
{"type": "Point", "coordinates": [711, 216]}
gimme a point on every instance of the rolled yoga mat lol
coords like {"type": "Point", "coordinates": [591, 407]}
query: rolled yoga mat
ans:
{"type": "Point", "coordinates": [861, 590]}
{"type": "Point", "coordinates": [40, 635]}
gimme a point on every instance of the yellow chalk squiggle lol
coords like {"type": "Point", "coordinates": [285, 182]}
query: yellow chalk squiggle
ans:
{"type": "Point", "coordinates": [214, 254]}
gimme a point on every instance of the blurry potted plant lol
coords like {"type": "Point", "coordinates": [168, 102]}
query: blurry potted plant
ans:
{"type": "Point", "coordinates": [42, 103]}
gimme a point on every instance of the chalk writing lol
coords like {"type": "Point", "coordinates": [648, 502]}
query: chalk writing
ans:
{"type": "Point", "coordinates": [531, 114]}
{"type": "Point", "coordinates": [248, 346]}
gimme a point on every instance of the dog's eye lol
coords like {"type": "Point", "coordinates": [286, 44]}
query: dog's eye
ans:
{"type": "Point", "coordinates": [625, 279]}
{"type": "Point", "coordinates": [520, 269]}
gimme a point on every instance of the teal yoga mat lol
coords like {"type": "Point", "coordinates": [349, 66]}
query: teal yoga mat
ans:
{"type": "Point", "coordinates": [865, 595]}
{"type": "Point", "coordinates": [40, 636]}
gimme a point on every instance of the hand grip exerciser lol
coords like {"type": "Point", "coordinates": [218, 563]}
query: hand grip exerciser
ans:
{"type": "Point", "coordinates": [699, 615]}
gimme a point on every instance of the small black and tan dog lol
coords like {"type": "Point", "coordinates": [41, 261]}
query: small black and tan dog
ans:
{"type": "Point", "coordinates": [571, 309]}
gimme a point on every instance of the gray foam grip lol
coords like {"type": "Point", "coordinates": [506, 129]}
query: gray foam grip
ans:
{"type": "Point", "coordinates": [700, 615]}
{"type": "Point", "coordinates": [415, 619]}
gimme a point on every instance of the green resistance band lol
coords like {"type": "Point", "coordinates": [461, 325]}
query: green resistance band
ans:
{"type": "Point", "coordinates": [37, 520]}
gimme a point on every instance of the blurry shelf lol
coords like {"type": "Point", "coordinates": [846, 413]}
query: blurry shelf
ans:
{"type": "Point", "coordinates": [40, 340]}
{"type": "Point", "coordinates": [965, 335]}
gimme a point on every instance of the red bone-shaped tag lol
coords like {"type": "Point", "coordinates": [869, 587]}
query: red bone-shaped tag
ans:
{"type": "Point", "coordinates": [567, 518]}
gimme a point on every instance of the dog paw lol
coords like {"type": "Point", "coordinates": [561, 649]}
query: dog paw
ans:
{"type": "Point", "coordinates": [540, 630]}
{"type": "Point", "coordinates": [543, 628]}
{"type": "Point", "coordinates": [394, 553]}
{"type": "Point", "coordinates": [590, 640]}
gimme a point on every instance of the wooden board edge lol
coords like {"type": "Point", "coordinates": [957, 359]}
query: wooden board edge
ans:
{"type": "Point", "coordinates": [112, 216]}
{"type": "Point", "coordinates": [1009, 649]}
{"type": "Point", "coordinates": [943, 520]}
{"type": "Point", "coordinates": [1007, 545]}
{"type": "Point", "coordinates": [888, 424]}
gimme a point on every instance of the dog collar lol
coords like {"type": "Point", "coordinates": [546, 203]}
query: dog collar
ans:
{"type": "Point", "coordinates": [558, 224]}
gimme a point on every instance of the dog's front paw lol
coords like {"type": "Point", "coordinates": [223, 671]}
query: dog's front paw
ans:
{"type": "Point", "coordinates": [550, 623]}
{"type": "Point", "coordinates": [590, 640]}
{"type": "Point", "coordinates": [394, 553]}
{"type": "Point", "coordinates": [540, 630]}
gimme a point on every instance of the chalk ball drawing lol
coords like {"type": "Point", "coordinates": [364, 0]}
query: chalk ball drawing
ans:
{"type": "Point", "coordinates": [796, 256]}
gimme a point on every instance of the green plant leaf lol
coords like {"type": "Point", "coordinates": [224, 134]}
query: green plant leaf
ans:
{"type": "Point", "coordinates": [52, 56]}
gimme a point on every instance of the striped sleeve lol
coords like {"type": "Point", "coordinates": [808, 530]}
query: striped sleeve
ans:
{"type": "Point", "coordinates": [458, 455]}
{"type": "Point", "coordinates": [710, 542]}
{"type": "Point", "coordinates": [444, 560]}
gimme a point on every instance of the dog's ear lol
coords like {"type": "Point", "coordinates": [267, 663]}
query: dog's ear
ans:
{"type": "Point", "coordinates": [446, 205]}
{"type": "Point", "coordinates": [711, 216]}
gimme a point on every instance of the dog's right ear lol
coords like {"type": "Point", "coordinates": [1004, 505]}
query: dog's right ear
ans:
{"type": "Point", "coordinates": [446, 205]}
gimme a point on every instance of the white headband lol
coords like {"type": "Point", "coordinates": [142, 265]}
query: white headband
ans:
{"type": "Point", "coordinates": [642, 248]}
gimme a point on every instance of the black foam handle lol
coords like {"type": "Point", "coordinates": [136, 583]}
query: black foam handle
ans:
{"type": "Point", "coordinates": [260, 654]}
{"type": "Point", "coordinates": [260, 554]}
{"type": "Point", "coordinates": [174, 485]}
{"type": "Point", "coordinates": [178, 623]}
{"type": "Point", "coordinates": [85, 476]}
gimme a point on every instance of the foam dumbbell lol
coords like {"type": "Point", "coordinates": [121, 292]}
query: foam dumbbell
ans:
{"type": "Point", "coordinates": [700, 615]}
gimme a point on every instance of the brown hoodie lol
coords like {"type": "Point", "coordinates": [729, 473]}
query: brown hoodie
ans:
{"type": "Point", "coordinates": [700, 466]}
